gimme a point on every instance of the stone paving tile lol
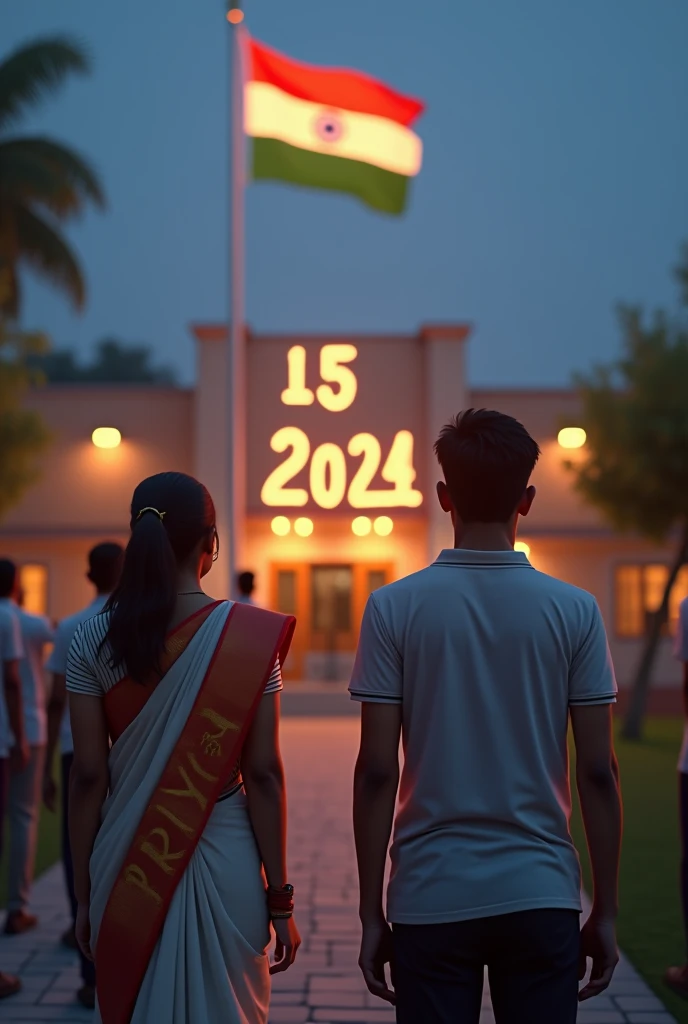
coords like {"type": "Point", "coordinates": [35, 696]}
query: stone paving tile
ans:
{"type": "Point", "coordinates": [324, 985]}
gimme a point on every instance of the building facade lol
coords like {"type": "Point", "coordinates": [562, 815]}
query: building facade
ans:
{"type": "Point", "coordinates": [337, 474]}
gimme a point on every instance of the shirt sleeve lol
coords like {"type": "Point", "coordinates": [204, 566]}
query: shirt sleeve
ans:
{"type": "Point", "coordinates": [11, 646]}
{"type": "Point", "coordinates": [377, 676]}
{"type": "Point", "coordinates": [80, 675]}
{"type": "Point", "coordinates": [57, 662]}
{"type": "Point", "coordinates": [46, 633]}
{"type": "Point", "coordinates": [274, 683]}
{"type": "Point", "coordinates": [591, 675]}
{"type": "Point", "coordinates": [681, 643]}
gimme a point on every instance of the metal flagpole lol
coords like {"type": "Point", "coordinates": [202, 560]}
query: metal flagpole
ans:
{"type": "Point", "coordinates": [236, 359]}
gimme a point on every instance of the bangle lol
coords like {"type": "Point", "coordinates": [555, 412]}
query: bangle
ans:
{"type": "Point", "coordinates": [280, 901]}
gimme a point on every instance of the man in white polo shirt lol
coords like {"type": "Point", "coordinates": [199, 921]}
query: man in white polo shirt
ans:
{"type": "Point", "coordinates": [478, 663]}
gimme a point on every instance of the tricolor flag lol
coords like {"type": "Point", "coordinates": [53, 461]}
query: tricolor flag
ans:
{"type": "Point", "coordinates": [330, 128]}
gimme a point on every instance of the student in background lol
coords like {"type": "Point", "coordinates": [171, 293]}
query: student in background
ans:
{"type": "Point", "coordinates": [14, 750]}
{"type": "Point", "coordinates": [677, 977]}
{"type": "Point", "coordinates": [104, 568]}
{"type": "Point", "coordinates": [246, 584]}
{"type": "Point", "coordinates": [25, 786]}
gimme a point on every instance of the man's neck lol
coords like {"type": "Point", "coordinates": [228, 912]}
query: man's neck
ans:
{"type": "Point", "coordinates": [485, 537]}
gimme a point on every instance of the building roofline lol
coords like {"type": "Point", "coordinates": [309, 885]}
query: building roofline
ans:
{"type": "Point", "coordinates": [426, 332]}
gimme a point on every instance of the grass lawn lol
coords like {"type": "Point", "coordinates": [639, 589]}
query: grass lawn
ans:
{"type": "Point", "coordinates": [650, 927]}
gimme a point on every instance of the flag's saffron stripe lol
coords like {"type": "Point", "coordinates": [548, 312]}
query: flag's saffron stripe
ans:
{"type": "Point", "coordinates": [331, 87]}
{"type": "Point", "coordinates": [273, 114]}
{"type": "Point", "coordinates": [278, 161]}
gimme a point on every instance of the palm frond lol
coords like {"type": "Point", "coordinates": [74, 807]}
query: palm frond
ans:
{"type": "Point", "coordinates": [35, 69]}
{"type": "Point", "coordinates": [39, 170]}
{"type": "Point", "coordinates": [47, 253]}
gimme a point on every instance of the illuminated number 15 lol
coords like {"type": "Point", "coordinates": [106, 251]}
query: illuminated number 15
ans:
{"type": "Point", "coordinates": [332, 369]}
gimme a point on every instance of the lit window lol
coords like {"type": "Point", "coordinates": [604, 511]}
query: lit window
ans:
{"type": "Point", "coordinates": [638, 593]}
{"type": "Point", "coordinates": [33, 580]}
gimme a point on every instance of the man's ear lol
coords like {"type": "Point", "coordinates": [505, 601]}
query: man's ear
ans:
{"type": "Point", "coordinates": [445, 501]}
{"type": "Point", "coordinates": [526, 501]}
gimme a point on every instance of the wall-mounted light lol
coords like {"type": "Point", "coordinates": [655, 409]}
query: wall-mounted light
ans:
{"type": "Point", "coordinates": [383, 526]}
{"type": "Point", "coordinates": [303, 526]}
{"type": "Point", "coordinates": [572, 437]}
{"type": "Point", "coordinates": [280, 526]}
{"type": "Point", "coordinates": [106, 437]}
{"type": "Point", "coordinates": [361, 526]}
{"type": "Point", "coordinates": [521, 545]}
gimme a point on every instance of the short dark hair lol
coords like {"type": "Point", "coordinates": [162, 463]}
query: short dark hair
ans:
{"type": "Point", "coordinates": [246, 581]}
{"type": "Point", "coordinates": [105, 565]}
{"type": "Point", "coordinates": [487, 459]}
{"type": "Point", "coordinates": [8, 577]}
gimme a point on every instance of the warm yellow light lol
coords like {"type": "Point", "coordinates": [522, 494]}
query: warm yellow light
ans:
{"type": "Point", "coordinates": [280, 525]}
{"type": "Point", "coordinates": [328, 475]}
{"type": "Point", "coordinates": [521, 545]}
{"type": "Point", "coordinates": [383, 526]}
{"type": "Point", "coordinates": [235, 16]}
{"type": "Point", "coordinates": [333, 370]}
{"type": "Point", "coordinates": [106, 437]}
{"type": "Point", "coordinates": [361, 526]}
{"type": "Point", "coordinates": [303, 526]}
{"type": "Point", "coordinates": [572, 437]}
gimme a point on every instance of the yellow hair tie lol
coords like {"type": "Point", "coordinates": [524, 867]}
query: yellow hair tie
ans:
{"type": "Point", "coordinates": [149, 508]}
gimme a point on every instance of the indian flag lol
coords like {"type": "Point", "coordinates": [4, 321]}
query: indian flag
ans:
{"type": "Point", "coordinates": [330, 128]}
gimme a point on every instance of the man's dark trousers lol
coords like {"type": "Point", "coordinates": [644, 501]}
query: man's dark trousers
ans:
{"type": "Point", "coordinates": [88, 971]}
{"type": "Point", "coordinates": [532, 958]}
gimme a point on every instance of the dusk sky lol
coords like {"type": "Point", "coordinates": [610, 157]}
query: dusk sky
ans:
{"type": "Point", "coordinates": [554, 182]}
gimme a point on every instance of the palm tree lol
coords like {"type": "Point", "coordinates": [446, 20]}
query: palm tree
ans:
{"type": "Point", "coordinates": [42, 183]}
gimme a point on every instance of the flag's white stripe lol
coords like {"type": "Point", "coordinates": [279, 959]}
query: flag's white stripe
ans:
{"type": "Point", "coordinates": [271, 113]}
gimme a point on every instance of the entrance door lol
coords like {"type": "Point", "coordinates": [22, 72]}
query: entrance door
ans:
{"type": "Point", "coordinates": [328, 600]}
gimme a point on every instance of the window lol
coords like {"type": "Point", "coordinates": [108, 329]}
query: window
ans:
{"type": "Point", "coordinates": [376, 579]}
{"type": "Point", "coordinates": [286, 591]}
{"type": "Point", "coordinates": [332, 587]}
{"type": "Point", "coordinates": [638, 593]}
{"type": "Point", "coordinates": [33, 580]}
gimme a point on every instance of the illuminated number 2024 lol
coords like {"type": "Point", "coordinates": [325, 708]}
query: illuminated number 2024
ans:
{"type": "Point", "coordinates": [333, 369]}
{"type": "Point", "coordinates": [328, 475]}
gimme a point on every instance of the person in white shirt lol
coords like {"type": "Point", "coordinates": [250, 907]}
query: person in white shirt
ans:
{"type": "Point", "coordinates": [104, 569]}
{"type": "Point", "coordinates": [25, 786]}
{"type": "Point", "coordinates": [14, 750]}
{"type": "Point", "coordinates": [478, 663]}
{"type": "Point", "coordinates": [677, 977]}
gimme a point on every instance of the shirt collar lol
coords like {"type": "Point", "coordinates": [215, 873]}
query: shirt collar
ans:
{"type": "Point", "coordinates": [484, 559]}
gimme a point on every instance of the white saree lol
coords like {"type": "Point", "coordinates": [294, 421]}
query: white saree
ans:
{"type": "Point", "coordinates": [209, 964]}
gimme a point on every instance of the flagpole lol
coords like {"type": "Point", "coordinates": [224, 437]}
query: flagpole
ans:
{"type": "Point", "coordinates": [236, 357]}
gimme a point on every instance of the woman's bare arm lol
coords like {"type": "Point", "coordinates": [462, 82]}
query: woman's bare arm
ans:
{"type": "Point", "coordinates": [88, 785]}
{"type": "Point", "coordinates": [261, 767]}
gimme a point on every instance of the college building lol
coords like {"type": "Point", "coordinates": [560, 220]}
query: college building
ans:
{"type": "Point", "coordinates": [333, 446]}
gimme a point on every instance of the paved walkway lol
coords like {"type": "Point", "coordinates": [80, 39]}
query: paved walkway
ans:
{"type": "Point", "coordinates": [324, 985]}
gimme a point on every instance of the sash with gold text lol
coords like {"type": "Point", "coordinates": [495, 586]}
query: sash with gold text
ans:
{"type": "Point", "coordinates": [173, 822]}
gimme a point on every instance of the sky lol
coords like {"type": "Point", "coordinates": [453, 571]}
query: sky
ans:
{"type": "Point", "coordinates": [553, 185]}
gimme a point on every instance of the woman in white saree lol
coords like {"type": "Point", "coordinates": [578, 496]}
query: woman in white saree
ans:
{"type": "Point", "coordinates": [171, 866]}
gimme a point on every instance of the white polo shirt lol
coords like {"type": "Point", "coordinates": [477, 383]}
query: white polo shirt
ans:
{"type": "Point", "coordinates": [36, 633]}
{"type": "Point", "coordinates": [681, 652]}
{"type": "Point", "coordinates": [57, 662]}
{"type": "Point", "coordinates": [485, 655]}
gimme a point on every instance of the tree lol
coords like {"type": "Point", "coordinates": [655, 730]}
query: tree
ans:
{"type": "Point", "coordinates": [43, 184]}
{"type": "Point", "coordinates": [114, 363]}
{"type": "Point", "coordinates": [635, 463]}
{"type": "Point", "coordinates": [23, 435]}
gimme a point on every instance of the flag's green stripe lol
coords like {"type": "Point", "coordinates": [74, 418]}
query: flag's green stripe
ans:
{"type": "Point", "coordinates": [278, 161]}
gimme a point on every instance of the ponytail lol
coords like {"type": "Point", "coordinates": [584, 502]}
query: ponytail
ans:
{"type": "Point", "coordinates": [143, 603]}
